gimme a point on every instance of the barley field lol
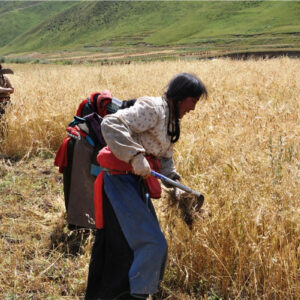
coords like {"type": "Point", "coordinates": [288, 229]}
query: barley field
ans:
{"type": "Point", "coordinates": [240, 147]}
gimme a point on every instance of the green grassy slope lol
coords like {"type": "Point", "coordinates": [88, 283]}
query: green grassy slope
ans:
{"type": "Point", "coordinates": [218, 20]}
{"type": "Point", "coordinates": [77, 25]}
{"type": "Point", "coordinates": [17, 18]}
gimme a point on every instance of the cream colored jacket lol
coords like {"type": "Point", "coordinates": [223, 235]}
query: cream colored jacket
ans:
{"type": "Point", "coordinates": [141, 128]}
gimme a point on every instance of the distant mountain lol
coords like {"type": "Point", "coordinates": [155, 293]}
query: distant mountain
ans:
{"type": "Point", "coordinates": [56, 25]}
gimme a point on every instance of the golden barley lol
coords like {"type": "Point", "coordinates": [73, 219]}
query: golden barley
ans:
{"type": "Point", "coordinates": [240, 148]}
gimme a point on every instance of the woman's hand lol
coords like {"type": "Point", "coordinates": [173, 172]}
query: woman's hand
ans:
{"type": "Point", "coordinates": [140, 165]}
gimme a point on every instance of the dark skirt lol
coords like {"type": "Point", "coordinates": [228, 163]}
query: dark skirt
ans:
{"type": "Point", "coordinates": [110, 261]}
{"type": "Point", "coordinates": [129, 253]}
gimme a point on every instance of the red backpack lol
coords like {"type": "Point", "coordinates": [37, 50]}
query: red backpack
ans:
{"type": "Point", "coordinates": [101, 103]}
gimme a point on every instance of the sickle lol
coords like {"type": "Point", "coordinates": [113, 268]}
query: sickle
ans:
{"type": "Point", "coordinates": [199, 196]}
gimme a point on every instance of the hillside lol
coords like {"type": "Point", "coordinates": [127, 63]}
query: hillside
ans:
{"type": "Point", "coordinates": [18, 18]}
{"type": "Point", "coordinates": [110, 26]}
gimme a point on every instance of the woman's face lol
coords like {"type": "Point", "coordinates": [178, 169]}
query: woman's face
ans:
{"type": "Point", "coordinates": [186, 105]}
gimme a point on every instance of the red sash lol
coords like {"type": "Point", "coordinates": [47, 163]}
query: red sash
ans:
{"type": "Point", "coordinates": [107, 159]}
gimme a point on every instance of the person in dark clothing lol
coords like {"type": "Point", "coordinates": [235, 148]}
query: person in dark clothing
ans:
{"type": "Point", "coordinates": [130, 251]}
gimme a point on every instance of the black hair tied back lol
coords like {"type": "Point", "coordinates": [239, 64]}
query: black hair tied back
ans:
{"type": "Point", "coordinates": [180, 87]}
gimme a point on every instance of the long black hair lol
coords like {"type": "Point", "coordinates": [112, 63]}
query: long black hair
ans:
{"type": "Point", "coordinates": [180, 87]}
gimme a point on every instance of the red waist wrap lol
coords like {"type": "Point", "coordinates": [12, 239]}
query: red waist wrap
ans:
{"type": "Point", "coordinates": [108, 160]}
{"type": "Point", "coordinates": [4, 99]}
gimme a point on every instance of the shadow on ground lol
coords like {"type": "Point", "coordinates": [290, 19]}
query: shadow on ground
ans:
{"type": "Point", "coordinates": [68, 239]}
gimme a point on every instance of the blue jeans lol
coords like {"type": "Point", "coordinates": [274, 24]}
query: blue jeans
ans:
{"type": "Point", "coordinates": [141, 229]}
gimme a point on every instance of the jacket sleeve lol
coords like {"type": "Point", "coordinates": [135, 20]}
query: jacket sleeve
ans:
{"type": "Point", "coordinates": [168, 168]}
{"type": "Point", "coordinates": [8, 83]}
{"type": "Point", "coordinates": [121, 129]}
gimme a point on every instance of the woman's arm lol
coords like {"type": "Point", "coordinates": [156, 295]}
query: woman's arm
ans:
{"type": "Point", "coordinates": [168, 168]}
{"type": "Point", "coordinates": [9, 88]}
{"type": "Point", "coordinates": [6, 90]}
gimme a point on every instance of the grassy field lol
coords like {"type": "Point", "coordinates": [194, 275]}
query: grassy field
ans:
{"type": "Point", "coordinates": [108, 26]}
{"type": "Point", "coordinates": [240, 148]}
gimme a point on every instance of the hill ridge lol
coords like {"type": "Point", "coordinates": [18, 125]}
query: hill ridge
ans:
{"type": "Point", "coordinates": [64, 25]}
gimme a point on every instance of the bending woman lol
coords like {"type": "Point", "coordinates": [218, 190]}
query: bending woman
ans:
{"type": "Point", "coordinates": [129, 254]}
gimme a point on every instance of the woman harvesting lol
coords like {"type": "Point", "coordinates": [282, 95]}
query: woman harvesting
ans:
{"type": "Point", "coordinates": [130, 251]}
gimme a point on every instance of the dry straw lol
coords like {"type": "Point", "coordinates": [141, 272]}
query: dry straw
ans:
{"type": "Point", "coordinates": [240, 148]}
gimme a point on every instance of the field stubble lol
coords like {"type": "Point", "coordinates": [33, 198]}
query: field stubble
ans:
{"type": "Point", "coordinates": [240, 148]}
